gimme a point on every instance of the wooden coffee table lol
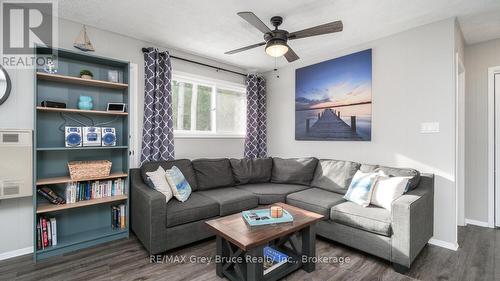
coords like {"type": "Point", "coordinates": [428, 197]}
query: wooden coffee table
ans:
{"type": "Point", "coordinates": [240, 247]}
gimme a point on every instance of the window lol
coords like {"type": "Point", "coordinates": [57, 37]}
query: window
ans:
{"type": "Point", "coordinates": [204, 108]}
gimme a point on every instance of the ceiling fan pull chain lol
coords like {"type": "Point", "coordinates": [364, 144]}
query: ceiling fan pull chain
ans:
{"type": "Point", "coordinates": [276, 67]}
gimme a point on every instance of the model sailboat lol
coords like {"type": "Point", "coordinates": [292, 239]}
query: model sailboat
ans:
{"type": "Point", "coordinates": [82, 42]}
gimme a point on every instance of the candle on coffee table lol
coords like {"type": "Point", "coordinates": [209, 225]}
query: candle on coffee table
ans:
{"type": "Point", "coordinates": [276, 211]}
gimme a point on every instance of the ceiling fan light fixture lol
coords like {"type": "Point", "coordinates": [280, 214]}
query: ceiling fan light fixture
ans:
{"type": "Point", "coordinates": [276, 48]}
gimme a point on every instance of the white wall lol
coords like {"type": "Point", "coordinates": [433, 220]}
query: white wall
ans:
{"type": "Point", "coordinates": [17, 112]}
{"type": "Point", "coordinates": [478, 58]}
{"type": "Point", "coordinates": [413, 82]}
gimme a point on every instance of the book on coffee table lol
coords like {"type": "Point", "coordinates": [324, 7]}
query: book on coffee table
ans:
{"type": "Point", "coordinates": [263, 217]}
{"type": "Point", "coordinates": [273, 259]}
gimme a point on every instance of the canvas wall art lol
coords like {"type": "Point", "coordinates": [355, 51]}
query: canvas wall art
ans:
{"type": "Point", "coordinates": [333, 99]}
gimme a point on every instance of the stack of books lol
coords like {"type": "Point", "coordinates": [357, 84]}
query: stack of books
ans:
{"type": "Point", "coordinates": [46, 232]}
{"type": "Point", "coordinates": [118, 216]}
{"type": "Point", "coordinates": [51, 196]}
{"type": "Point", "coordinates": [80, 191]}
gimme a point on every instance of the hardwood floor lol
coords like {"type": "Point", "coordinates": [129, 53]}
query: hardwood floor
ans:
{"type": "Point", "coordinates": [477, 259]}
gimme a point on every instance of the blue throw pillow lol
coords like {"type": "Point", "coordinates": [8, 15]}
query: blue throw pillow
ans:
{"type": "Point", "coordinates": [361, 188]}
{"type": "Point", "coordinates": [180, 187]}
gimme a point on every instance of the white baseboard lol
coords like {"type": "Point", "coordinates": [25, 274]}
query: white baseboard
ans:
{"type": "Point", "coordinates": [444, 244]}
{"type": "Point", "coordinates": [16, 253]}
{"type": "Point", "coordinates": [477, 223]}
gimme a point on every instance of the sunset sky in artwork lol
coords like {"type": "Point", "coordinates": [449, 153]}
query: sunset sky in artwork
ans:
{"type": "Point", "coordinates": [343, 80]}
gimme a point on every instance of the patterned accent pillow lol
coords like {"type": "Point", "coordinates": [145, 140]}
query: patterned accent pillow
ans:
{"type": "Point", "coordinates": [387, 189]}
{"type": "Point", "coordinates": [160, 183]}
{"type": "Point", "coordinates": [180, 186]}
{"type": "Point", "coordinates": [361, 188]}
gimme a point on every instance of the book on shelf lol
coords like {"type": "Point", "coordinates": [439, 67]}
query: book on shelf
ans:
{"type": "Point", "coordinates": [51, 196]}
{"type": "Point", "coordinates": [53, 226]}
{"type": "Point", "coordinates": [273, 259]}
{"type": "Point", "coordinates": [38, 236]}
{"type": "Point", "coordinates": [118, 217]}
{"type": "Point", "coordinates": [87, 190]}
{"type": "Point", "coordinates": [46, 232]}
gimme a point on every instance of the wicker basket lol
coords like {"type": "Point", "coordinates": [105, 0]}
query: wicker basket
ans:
{"type": "Point", "coordinates": [87, 170]}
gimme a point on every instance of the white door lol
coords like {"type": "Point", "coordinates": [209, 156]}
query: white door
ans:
{"type": "Point", "coordinates": [496, 88]}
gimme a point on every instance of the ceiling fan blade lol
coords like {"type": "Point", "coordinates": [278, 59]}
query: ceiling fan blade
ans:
{"type": "Point", "coordinates": [255, 21]}
{"type": "Point", "coordinates": [245, 48]}
{"type": "Point", "coordinates": [291, 55]}
{"type": "Point", "coordinates": [326, 28]}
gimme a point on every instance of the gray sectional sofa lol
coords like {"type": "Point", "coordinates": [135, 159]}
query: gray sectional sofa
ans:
{"type": "Point", "coordinates": [227, 186]}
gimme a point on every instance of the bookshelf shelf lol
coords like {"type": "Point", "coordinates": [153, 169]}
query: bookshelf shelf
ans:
{"type": "Point", "coordinates": [85, 223]}
{"type": "Point", "coordinates": [81, 148]}
{"type": "Point", "coordinates": [47, 207]}
{"type": "Point", "coordinates": [58, 180]}
{"type": "Point", "coordinates": [81, 111]}
{"type": "Point", "coordinates": [82, 237]}
{"type": "Point", "coordinates": [80, 81]}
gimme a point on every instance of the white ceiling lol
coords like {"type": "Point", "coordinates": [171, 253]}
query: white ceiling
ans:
{"type": "Point", "coordinates": [209, 28]}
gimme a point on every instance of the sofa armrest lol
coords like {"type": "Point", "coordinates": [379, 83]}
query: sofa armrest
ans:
{"type": "Point", "coordinates": [148, 214]}
{"type": "Point", "coordinates": [413, 221]}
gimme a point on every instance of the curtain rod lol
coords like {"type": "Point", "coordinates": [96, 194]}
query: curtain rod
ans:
{"type": "Point", "coordinates": [203, 64]}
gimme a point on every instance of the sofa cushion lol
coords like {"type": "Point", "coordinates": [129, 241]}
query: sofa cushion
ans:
{"type": "Point", "coordinates": [334, 175]}
{"type": "Point", "coordinates": [231, 200]}
{"type": "Point", "coordinates": [183, 164]}
{"type": "Point", "coordinates": [315, 200]}
{"type": "Point", "coordinates": [269, 193]}
{"type": "Point", "coordinates": [293, 170]}
{"type": "Point", "coordinates": [213, 173]}
{"type": "Point", "coordinates": [403, 172]}
{"type": "Point", "coordinates": [372, 219]}
{"type": "Point", "coordinates": [197, 207]}
{"type": "Point", "coordinates": [256, 170]}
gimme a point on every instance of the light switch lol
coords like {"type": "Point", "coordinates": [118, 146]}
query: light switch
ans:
{"type": "Point", "coordinates": [429, 127]}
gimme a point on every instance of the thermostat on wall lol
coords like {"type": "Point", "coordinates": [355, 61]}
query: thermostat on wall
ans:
{"type": "Point", "coordinates": [116, 107]}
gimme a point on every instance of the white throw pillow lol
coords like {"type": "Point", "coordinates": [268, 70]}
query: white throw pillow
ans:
{"type": "Point", "coordinates": [159, 180]}
{"type": "Point", "coordinates": [388, 189]}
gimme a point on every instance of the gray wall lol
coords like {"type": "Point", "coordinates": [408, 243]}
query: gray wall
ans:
{"type": "Point", "coordinates": [413, 82]}
{"type": "Point", "coordinates": [478, 58]}
{"type": "Point", "coordinates": [17, 112]}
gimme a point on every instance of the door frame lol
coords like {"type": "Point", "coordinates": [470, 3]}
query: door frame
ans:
{"type": "Point", "coordinates": [492, 71]}
{"type": "Point", "coordinates": [133, 108]}
{"type": "Point", "coordinates": [460, 139]}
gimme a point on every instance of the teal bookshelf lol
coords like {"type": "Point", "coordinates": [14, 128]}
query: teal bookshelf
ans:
{"type": "Point", "coordinates": [88, 222]}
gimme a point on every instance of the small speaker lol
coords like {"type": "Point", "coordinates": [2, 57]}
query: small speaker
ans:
{"type": "Point", "coordinates": [73, 136]}
{"type": "Point", "coordinates": [108, 137]}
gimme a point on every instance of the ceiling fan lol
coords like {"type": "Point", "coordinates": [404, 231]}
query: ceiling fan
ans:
{"type": "Point", "coordinates": [276, 40]}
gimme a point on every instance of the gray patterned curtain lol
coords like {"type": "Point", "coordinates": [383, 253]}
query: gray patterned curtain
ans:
{"type": "Point", "coordinates": [157, 133]}
{"type": "Point", "coordinates": [256, 139]}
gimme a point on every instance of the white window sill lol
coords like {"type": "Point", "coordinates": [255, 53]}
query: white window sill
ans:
{"type": "Point", "coordinates": [207, 136]}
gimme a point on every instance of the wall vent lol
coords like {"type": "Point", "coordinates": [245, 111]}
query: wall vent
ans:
{"type": "Point", "coordinates": [10, 138]}
{"type": "Point", "coordinates": [9, 190]}
{"type": "Point", "coordinates": [16, 163]}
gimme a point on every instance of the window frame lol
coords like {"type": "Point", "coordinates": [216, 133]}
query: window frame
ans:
{"type": "Point", "coordinates": [215, 84]}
